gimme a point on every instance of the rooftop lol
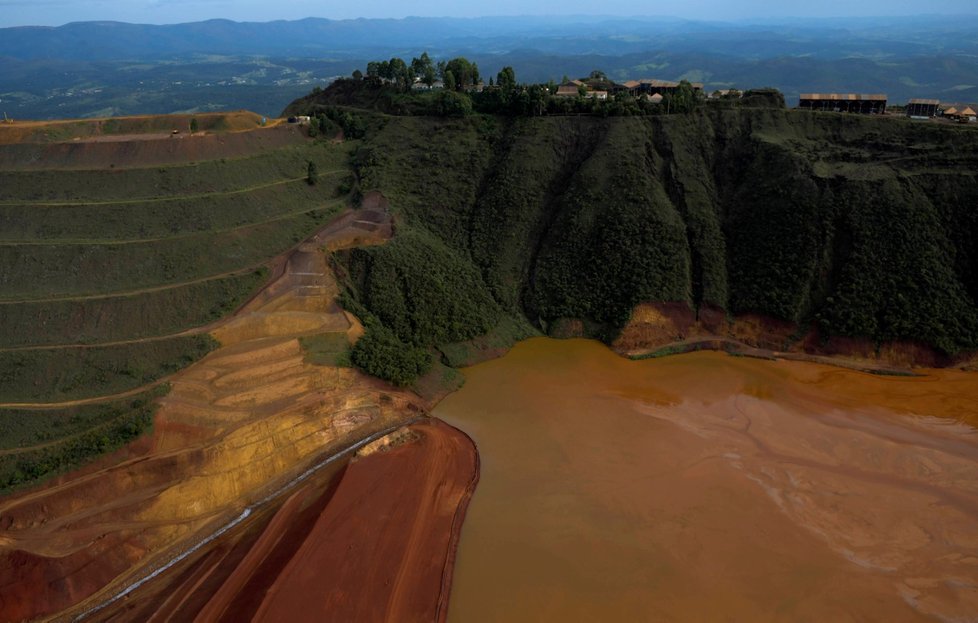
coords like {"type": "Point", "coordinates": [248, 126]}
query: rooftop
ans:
{"type": "Point", "coordinates": [852, 97]}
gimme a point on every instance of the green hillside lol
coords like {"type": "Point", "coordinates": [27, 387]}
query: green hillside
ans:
{"type": "Point", "coordinates": [855, 226]}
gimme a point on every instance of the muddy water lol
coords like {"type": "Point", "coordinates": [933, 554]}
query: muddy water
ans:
{"type": "Point", "coordinates": [705, 487]}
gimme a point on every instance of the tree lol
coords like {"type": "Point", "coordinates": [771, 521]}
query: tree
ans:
{"type": "Point", "coordinates": [465, 73]}
{"type": "Point", "coordinates": [537, 99]}
{"type": "Point", "coordinates": [597, 74]}
{"type": "Point", "coordinates": [399, 72]}
{"type": "Point", "coordinates": [423, 68]}
{"type": "Point", "coordinates": [449, 80]}
{"type": "Point", "coordinates": [506, 79]}
{"type": "Point", "coordinates": [684, 98]}
{"type": "Point", "coordinates": [381, 353]}
{"type": "Point", "coordinates": [312, 173]}
{"type": "Point", "coordinates": [451, 104]}
{"type": "Point", "coordinates": [357, 75]}
{"type": "Point", "coordinates": [193, 125]}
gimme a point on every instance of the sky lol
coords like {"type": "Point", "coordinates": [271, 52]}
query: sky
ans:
{"type": "Point", "coordinates": [57, 12]}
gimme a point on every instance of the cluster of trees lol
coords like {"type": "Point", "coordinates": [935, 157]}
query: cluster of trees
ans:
{"type": "Point", "coordinates": [380, 353]}
{"type": "Point", "coordinates": [457, 74]}
{"type": "Point", "coordinates": [412, 293]}
{"type": "Point", "coordinates": [350, 123]}
{"type": "Point", "coordinates": [504, 94]}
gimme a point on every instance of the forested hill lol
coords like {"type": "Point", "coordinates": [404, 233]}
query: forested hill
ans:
{"type": "Point", "coordinates": [844, 225]}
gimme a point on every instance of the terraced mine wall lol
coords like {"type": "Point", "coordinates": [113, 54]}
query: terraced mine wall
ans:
{"type": "Point", "coordinates": [814, 232]}
{"type": "Point", "coordinates": [120, 257]}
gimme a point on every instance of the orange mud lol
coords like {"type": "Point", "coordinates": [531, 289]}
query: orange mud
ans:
{"type": "Point", "coordinates": [236, 425]}
{"type": "Point", "coordinates": [705, 487]}
{"type": "Point", "coordinates": [677, 327]}
{"type": "Point", "coordinates": [142, 150]}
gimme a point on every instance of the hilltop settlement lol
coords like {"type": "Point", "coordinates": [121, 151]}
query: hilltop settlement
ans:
{"type": "Point", "coordinates": [456, 88]}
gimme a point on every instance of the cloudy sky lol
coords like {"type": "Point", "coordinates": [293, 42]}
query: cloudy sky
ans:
{"type": "Point", "coordinates": [56, 12]}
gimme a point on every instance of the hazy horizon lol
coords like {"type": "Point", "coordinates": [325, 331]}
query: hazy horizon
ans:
{"type": "Point", "coordinates": [60, 12]}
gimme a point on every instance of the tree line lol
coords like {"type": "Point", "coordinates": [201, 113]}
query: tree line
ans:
{"type": "Point", "coordinates": [457, 74]}
{"type": "Point", "coordinates": [455, 88]}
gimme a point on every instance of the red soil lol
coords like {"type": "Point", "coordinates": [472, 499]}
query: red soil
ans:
{"type": "Point", "coordinates": [376, 542]}
{"type": "Point", "coordinates": [384, 548]}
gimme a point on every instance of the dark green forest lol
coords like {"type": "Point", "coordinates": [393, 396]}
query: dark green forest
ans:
{"type": "Point", "coordinates": [852, 226]}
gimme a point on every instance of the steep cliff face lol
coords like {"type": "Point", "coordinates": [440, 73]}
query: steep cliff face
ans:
{"type": "Point", "coordinates": [837, 225]}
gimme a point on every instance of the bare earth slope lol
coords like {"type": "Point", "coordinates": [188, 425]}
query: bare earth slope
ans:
{"type": "Point", "coordinates": [237, 424]}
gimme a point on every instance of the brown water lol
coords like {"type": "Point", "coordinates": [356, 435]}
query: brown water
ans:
{"type": "Point", "coordinates": [705, 487]}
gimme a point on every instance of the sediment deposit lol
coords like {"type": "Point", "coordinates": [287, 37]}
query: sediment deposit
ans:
{"type": "Point", "coordinates": [704, 487]}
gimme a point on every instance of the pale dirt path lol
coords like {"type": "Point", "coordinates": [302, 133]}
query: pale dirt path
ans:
{"type": "Point", "coordinates": [168, 198]}
{"type": "Point", "coordinates": [124, 241]}
{"type": "Point", "coordinates": [47, 406]}
{"type": "Point", "coordinates": [170, 286]}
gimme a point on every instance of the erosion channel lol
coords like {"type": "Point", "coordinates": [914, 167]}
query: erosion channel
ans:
{"type": "Point", "coordinates": [705, 487]}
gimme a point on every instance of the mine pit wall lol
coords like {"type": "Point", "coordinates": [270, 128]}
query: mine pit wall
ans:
{"type": "Point", "coordinates": [115, 522]}
{"type": "Point", "coordinates": [236, 425]}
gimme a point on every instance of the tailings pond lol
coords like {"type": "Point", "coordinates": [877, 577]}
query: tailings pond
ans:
{"type": "Point", "coordinates": [705, 487]}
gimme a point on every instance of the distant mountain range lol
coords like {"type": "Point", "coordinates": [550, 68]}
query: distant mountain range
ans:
{"type": "Point", "coordinates": [114, 68]}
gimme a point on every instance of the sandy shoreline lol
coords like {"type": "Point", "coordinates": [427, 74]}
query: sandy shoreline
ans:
{"type": "Point", "coordinates": [733, 347]}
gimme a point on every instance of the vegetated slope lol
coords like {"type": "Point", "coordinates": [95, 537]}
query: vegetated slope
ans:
{"type": "Point", "coordinates": [112, 275]}
{"type": "Point", "coordinates": [851, 226]}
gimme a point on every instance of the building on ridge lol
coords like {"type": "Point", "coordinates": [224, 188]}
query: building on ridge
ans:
{"type": "Point", "coordinates": [960, 112]}
{"type": "Point", "coordinates": [922, 108]}
{"type": "Point", "coordinates": [653, 87]}
{"type": "Point", "coordinates": [567, 90]}
{"type": "Point", "coordinates": [863, 103]}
